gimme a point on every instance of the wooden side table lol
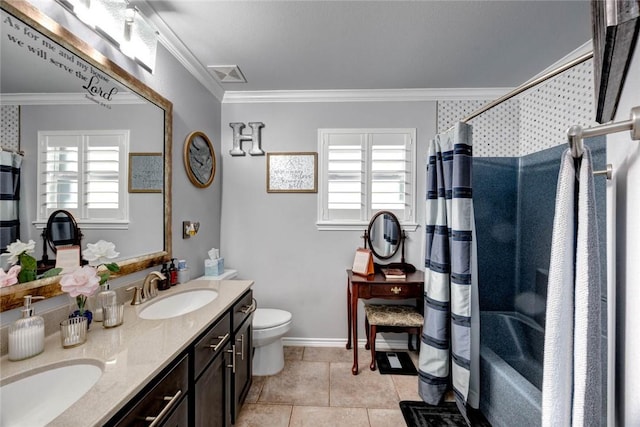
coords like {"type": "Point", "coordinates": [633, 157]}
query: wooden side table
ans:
{"type": "Point", "coordinates": [376, 286]}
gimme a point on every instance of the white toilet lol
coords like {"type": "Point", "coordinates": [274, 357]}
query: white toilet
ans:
{"type": "Point", "coordinates": [269, 326]}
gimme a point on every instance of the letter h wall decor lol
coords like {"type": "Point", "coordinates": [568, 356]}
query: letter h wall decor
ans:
{"type": "Point", "coordinates": [254, 137]}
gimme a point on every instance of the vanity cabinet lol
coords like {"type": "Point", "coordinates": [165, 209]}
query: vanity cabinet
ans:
{"type": "Point", "coordinates": [163, 403]}
{"type": "Point", "coordinates": [206, 385]}
{"type": "Point", "coordinates": [243, 348]}
{"type": "Point", "coordinates": [212, 389]}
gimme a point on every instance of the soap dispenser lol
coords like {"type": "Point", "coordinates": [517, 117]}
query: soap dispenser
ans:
{"type": "Point", "coordinates": [173, 273]}
{"type": "Point", "coordinates": [26, 335]}
{"type": "Point", "coordinates": [164, 284]}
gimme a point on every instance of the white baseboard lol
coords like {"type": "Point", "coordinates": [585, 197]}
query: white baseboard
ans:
{"type": "Point", "coordinates": [381, 343]}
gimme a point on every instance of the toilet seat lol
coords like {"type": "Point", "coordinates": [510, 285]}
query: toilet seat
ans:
{"type": "Point", "coordinates": [265, 318]}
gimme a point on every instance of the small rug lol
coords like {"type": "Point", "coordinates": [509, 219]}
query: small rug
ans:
{"type": "Point", "coordinates": [384, 366]}
{"type": "Point", "coordinates": [420, 414]}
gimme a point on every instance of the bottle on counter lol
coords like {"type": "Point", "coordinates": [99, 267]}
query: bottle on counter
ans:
{"type": "Point", "coordinates": [26, 335]}
{"type": "Point", "coordinates": [164, 284]}
{"type": "Point", "coordinates": [173, 273]}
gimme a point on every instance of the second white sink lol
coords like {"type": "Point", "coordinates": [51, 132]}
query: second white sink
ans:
{"type": "Point", "coordinates": [177, 304]}
{"type": "Point", "coordinates": [36, 399]}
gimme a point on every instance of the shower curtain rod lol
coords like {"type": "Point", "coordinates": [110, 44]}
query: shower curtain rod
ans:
{"type": "Point", "coordinates": [529, 85]}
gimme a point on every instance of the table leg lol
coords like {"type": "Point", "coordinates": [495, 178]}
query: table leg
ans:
{"type": "Point", "coordinates": [354, 327]}
{"type": "Point", "coordinates": [348, 316]}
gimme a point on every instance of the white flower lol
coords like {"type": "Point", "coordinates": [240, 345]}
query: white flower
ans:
{"type": "Point", "coordinates": [99, 252]}
{"type": "Point", "coordinates": [18, 247]}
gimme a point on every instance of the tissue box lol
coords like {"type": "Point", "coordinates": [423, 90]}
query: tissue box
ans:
{"type": "Point", "coordinates": [213, 267]}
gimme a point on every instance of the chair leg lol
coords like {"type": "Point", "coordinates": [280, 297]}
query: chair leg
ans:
{"type": "Point", "coordinates": [410, 341]}
{"type": "Point", "coordinates": [366, 330]}
{"type": "Point", "coordinates": [372, 343]}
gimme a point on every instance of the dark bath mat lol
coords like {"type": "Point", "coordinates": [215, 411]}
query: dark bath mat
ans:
{"type": "Point", "coordinates": [384, 366]}
{"type": "Point", "coordinates": [420, 414]}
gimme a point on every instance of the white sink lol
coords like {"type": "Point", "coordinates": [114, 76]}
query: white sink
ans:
{"type": "Point", "coordinates": [38, 398]}
{"type": "Point", "coordinates": [177, 304]}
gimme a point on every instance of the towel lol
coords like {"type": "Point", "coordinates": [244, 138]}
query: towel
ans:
{"type": "Point", "coordinates": [587, 356]}
{"type": "Point", "coordinates": [571, 386]}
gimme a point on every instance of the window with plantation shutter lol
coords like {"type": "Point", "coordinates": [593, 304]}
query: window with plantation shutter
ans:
{"type": "Point", "coordinates": [363, 171]}
{"type": "Point", "coordinates": [85, 173]}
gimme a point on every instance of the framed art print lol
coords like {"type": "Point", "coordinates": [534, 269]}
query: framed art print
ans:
{"type": "Point", "coordinates": [146, 172]}
{"type": "Point", "coordinates": [292, 172]}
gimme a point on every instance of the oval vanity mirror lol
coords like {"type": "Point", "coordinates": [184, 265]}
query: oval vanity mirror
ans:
{"type": "Point", "coordinates": [62, 230]}
{"type": "Point", "coordinates": [384, 235]}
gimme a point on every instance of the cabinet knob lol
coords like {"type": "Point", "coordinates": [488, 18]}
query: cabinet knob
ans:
{"type": "Point", "coordinates": [396, 290]}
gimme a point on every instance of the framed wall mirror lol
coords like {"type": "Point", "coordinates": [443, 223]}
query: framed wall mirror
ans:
{"type": "Point", "coordinates": [62, 90]}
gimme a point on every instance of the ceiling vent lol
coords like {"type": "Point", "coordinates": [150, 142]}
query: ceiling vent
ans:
{"type": "Point", "coordinates": [227, 73]}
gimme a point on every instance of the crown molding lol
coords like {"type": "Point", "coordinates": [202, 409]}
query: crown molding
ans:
{"type": "Point", "coordinates": [377, 95]}
{"type": "Point", "coordinates": [576, 53]}
{"type": "Point", "coordinates": [64, 99]}
{"type": "Point", "coordinates": [180, 51]}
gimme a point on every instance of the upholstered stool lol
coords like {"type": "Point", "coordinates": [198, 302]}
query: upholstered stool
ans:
{"type": "Point", "coordinates": [390, 318]}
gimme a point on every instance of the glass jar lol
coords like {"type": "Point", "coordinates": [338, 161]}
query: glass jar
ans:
{"type": "Point", "coordinates": [104, 297]}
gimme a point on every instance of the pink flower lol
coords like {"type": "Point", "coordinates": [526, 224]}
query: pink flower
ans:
{"type": "Point", "coordinates": [10, 277]}
{"type": "Point", "coordinates": [83, 281]}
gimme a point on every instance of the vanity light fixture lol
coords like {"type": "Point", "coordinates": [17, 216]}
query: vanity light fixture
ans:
{"type": "Point", "coordinates": [121, 24]}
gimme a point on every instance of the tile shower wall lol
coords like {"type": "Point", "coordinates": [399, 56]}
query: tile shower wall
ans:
{"type": "Point", "coordinates": [495, 132]}
{"type": "Point", "coordinates": [517, 150]}
{"type": "Point", "coordinates": [538, 177]}
{"type": "Point", "coordinates": [535, 120]}
{"type": "Point", "coordinates": [495, 197]}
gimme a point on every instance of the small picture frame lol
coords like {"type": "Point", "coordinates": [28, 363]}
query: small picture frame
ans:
{"type": "Point", "coordinates": [146, 173]}
{"type": "Point", "coordinates": [292, 172]}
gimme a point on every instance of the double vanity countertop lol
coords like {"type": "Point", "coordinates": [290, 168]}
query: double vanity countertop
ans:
{"type": "Point", "coordinates": [130, 355]}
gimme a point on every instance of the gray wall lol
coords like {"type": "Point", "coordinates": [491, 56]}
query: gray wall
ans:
{"type": "Point", "coordinates": [272, 237]}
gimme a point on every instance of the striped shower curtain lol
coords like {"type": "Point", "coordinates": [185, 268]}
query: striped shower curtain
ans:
{"type": "Point", "coordinates": [9, 196]}
{"type": "Point", "coordinates": [449, 354]}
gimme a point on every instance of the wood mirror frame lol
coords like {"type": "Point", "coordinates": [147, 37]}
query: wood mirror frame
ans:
{"type": "Point", "coordinates": [12, 296]}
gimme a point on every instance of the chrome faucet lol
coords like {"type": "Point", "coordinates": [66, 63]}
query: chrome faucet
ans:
{"type": "Point", "coordinates": [150, 286]}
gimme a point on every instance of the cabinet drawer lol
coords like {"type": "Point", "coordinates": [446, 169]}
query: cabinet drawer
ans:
{"type": "Point", "coordinates": [211, 344]}
{"type": "Point", "coordinates": [395, 290]}
{"type": "Point", "coordinates": [162, 399]}
{"type": "Point", "coordinates": [243, 309]}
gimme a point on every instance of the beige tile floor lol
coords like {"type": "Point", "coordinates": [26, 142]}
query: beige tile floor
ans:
{"type": "Point", "coordinates": [316, 389]}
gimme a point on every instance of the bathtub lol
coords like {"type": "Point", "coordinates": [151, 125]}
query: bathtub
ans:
{"type": "Point", "coordinates": [511, 356]}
